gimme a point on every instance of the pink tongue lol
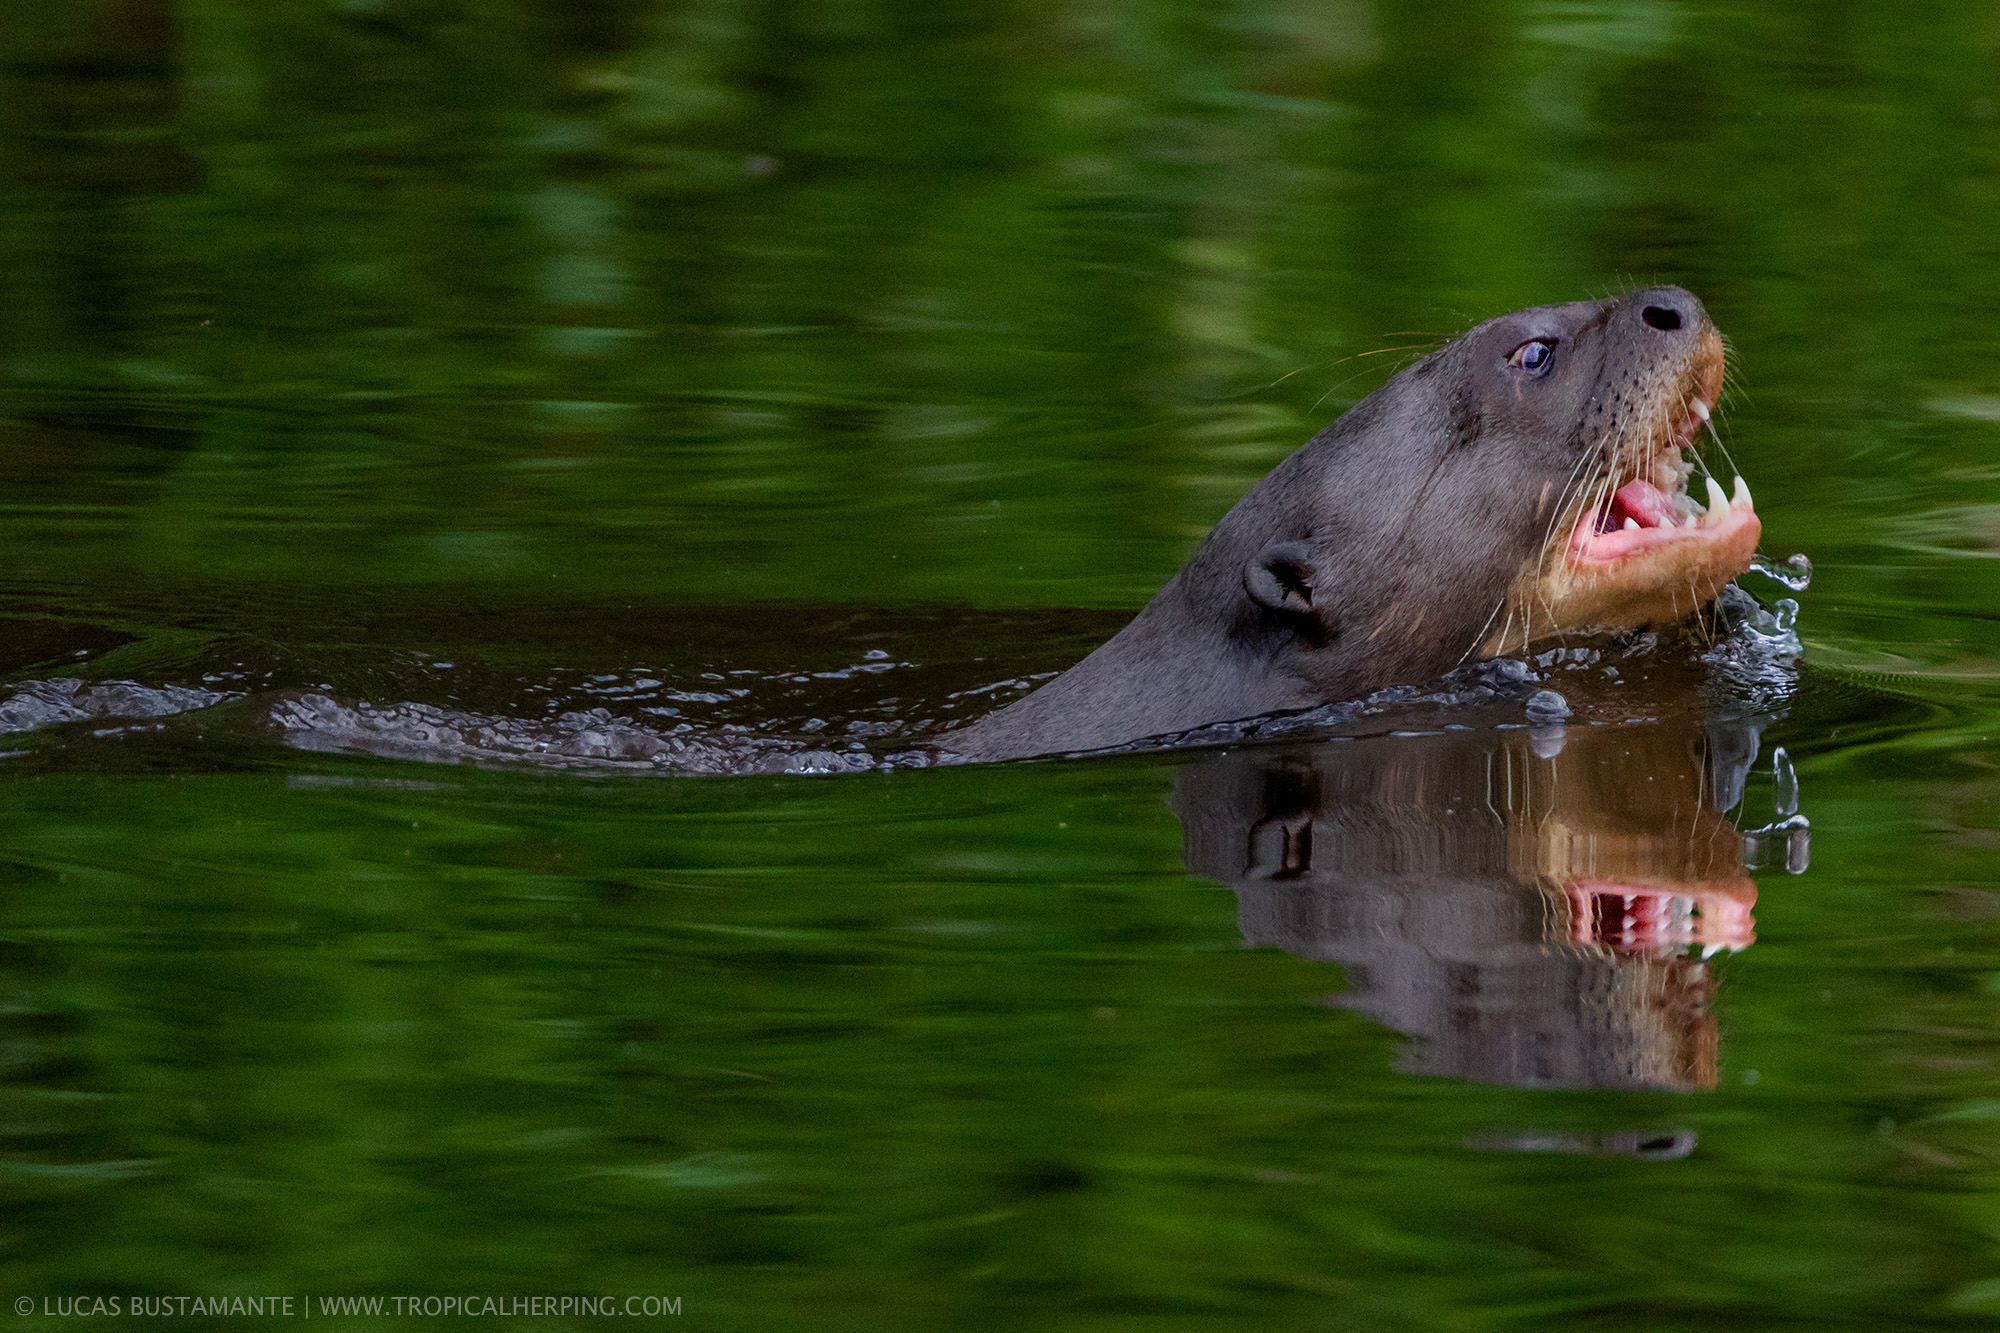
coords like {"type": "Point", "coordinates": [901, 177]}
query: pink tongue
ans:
{"type": "Point", "coordinates": [1645, 502]}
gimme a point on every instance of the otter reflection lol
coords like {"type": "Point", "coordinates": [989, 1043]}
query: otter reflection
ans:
{"type": "Point", "coordinates": [1535, 908]}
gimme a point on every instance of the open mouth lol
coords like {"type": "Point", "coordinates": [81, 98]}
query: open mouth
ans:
{"type": "Point", "coordinates": [1639, 549]}
{"type": "Point", "coordinates": [1655, 510]}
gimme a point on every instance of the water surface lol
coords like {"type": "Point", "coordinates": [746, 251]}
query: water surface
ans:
{"type": "Point", "coordinates": [829, 372]}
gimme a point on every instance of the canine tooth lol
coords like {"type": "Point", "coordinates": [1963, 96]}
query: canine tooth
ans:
{"type": "Point", "coordinates": [1742, 495]}
{"type": "Point", "coordinates": [1701, 409]}
{"type": "Point", "coordinates": [1631, 525]}
{"type": "Point", "coordinates": [1718, 503]}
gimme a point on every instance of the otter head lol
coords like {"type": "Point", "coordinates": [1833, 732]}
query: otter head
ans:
{"type": "Point", "coordinates": [1526, 481]}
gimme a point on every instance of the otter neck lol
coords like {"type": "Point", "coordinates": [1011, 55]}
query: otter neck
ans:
{"type": "Point", "coordinates": [1150, 679]}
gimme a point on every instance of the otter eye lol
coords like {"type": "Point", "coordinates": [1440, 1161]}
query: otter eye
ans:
{"type": "Point", "coordinates": [1533, 356]}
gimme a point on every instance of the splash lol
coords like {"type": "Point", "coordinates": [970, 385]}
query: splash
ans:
{"type": "Point", "coordinates": [1794, 571]}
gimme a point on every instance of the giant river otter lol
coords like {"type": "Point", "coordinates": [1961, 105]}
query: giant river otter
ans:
{"type": "Point", "coordinates": [1529, 479]}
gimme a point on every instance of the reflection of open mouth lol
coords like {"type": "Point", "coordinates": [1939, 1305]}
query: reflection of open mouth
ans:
{"type": "Point", "coordinates": [1556, 938]}
{"type": "Point", "coordinates": [1635, 918]}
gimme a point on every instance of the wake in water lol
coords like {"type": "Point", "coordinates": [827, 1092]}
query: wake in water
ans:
{"type": "Point", "coordinates": [594, 738]}
{"type": "Point", "coordinates": [856, 709]}
{"type": "Point", "coordinates": [36, 704]}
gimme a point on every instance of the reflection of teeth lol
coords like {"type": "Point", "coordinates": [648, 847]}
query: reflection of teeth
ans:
{"type": "Point", "coordinates": [1631, 525]}
{"type": "Point", "coordinates": [1742, 495]}
{"type": "Point", "coordinates": [1701, 409]}
{"type": "Point", "coordinates": [1718, 504]}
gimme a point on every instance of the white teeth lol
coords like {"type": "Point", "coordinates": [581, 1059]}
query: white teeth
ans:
{"type": "Point", "coordinates": [1741, 497]}
{"type": "Point", "coordinates": [1718, 504]}
{"type": "Point", "coordinates": [1631, 525]}
{"type": "Point", "coordinates": [1701, 409]}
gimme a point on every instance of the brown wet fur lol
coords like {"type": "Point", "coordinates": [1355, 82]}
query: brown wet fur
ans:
{"type": "Point", "coordinates": [1388, 547]}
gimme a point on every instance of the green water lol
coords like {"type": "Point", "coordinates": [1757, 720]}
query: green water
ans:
{"type": "Point", "coordinates": [342, 340]}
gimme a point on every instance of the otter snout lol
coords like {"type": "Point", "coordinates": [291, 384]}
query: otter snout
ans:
{"type": "Point", "coordinates": [1672, 322]}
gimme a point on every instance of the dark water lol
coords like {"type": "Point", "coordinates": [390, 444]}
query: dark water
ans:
{"type": "Point", "coordinates": [571, 383]}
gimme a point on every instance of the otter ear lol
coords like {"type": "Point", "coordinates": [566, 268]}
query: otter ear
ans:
{"type": "Point", "coordinates": [1280, 578]}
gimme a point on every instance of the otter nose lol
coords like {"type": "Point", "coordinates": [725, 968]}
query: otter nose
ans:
{"type": "Point", "coordinates": [1669, 309]}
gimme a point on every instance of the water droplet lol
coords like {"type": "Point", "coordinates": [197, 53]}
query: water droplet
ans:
{"type": "Point", "coordinates": [1760, 844]}
{"type": "Point", "coordinates": [1794, 571]}
{"type": "Point", "coordinates": [1798, 846]}
{"type": "Point", "coordinates": [1784, 784]}
{"type": "Point", "coordinates": [1786, 612]}
{"type": "Point", "coordinates": [1547, 706]}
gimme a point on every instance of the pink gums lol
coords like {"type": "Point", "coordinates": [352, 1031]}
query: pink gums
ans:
{"type": "Point", "coordinates": [1651, 508]}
